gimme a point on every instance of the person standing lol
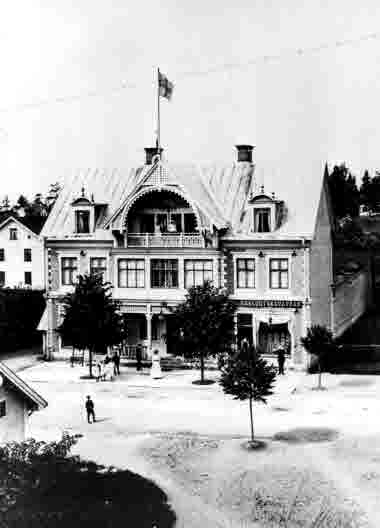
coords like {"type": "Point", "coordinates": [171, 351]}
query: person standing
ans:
{"type": "Point", "coordinates": [139, 357]}
{"type": "Point", "coordinates": [90, 409]}
{"type": "Point", "coordinates": [281, 358]}
{"type": "Point", "coordinates": [116, 362]}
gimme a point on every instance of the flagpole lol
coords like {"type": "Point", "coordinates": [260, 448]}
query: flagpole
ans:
{"type": "Point", "coordinates": [158, 112]}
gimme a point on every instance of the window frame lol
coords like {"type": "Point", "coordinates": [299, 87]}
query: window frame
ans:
{"type": "Point", "coordinates": [13, 234]}
{"type": "Point", "coordinates": [246, 270]}
{"type": "Point", "coordinates": [136, 269]}
{"type": "Point", "coordinates": [28, 251]}
{"type": "Point", "coordinates": [87, 215]}
{"type": "Point", "coordinates": [193, 271]}
{"type": "Point", "coordinates": [98, 269]}
{"type": "Point", "coordinates": [261, 210]}
{"type": "Point", "coordinates": [3, 408]}
{"type": "Point", "coordinates": [2, 254]}
{"type": "Point", "coordinates": [2, 273]}
{"type": "Point", "coordinates": [29, 273]}
{"type": "Point", "coordinates": [279, 271]}
{"type": "Point", "coordinates": [166, 273]}
{"type": "Point", "coordinates": [74, 270]}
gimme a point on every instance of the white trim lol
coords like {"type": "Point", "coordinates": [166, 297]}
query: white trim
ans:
{"type": "Point", "coordinates": [272, 213]}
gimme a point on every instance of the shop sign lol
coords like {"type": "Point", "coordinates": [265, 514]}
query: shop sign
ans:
{"type": "Point", "coordinates": [274, 303]}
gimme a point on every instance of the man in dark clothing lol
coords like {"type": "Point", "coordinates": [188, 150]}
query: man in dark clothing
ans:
{"type": "Point", "coordinates": [138, 357]}
{"type": "Point", "coordinates": [281, 359]}
{"type": "Point", "coordinates": [116, 362]}
{"type": "Point", "coordinates": [90, 409]}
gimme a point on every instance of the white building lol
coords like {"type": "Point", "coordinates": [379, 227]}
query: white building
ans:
{"type": "Point", "coordinates": [21, 255]}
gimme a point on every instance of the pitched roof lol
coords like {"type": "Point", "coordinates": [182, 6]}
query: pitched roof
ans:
{"type": "Point", "coordinates": [35, 401]}
{"type": "Point", "coordinates": [220, 192]}
{"type": "Point", "coordinates": [21, 223]}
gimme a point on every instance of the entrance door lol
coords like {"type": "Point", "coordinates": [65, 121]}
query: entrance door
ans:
{"type": "Point", "coordinates": [244, 328]}
{"type": "Point", "coordinates": [270, 336]}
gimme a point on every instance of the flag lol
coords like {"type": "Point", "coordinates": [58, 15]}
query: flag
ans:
{"type": "Point", "coordinates": [165, 86]}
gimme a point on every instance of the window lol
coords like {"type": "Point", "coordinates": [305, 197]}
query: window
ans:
{"type": "Point", "coordinates": [279, 273]}
{"type": "Point", "coordinates": [190, 222]}
{"type": "Point", "coordinates": [131, 273]}
{"type": "Point", "coordinates": [82, 221]}
{"type": "Point", "coordinates": [3, 408]}
{"type": "Point", "coordinates": [28, 278]}
{"type": "Point", "coordinates": [262, 220]}
{"type": "Point", "coordinates": [27, 255]}
{"type": "Point", "coordinates": [2, 254]}
{"type": "Point", "coordinates": [197, 272]}
{"type": "Point", "coordinates": [2, 278]}
{"type": "Point", "coordinates": [164, 273]}
{"type": "Point", "coordinates": [69, 270]}
{"type": "Point", "coordinates": [13, 233]}
{"type": "Point", "coordinates": [98, 266]}
{"type": "Point", "coordinates": [245, 269]}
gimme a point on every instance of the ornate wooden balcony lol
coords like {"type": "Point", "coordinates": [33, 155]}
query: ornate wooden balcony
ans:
{"type": "Point", "coordinates": [166, 240]}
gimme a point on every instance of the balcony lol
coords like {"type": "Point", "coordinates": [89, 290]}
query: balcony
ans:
{"type": "Point", "coordinates": [167, 240]}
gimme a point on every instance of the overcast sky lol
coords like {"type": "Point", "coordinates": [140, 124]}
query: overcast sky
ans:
{"type": "Point", "coordinates": [313, 104]}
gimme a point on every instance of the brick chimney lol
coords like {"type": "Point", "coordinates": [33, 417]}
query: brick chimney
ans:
{"type": "Point", "coordinates": [150, 153]}
{"type": "Point", "coordinates": [244, 153]}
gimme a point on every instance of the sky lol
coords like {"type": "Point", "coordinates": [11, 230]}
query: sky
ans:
{"type": "Point", "coordinates": [78, 84]}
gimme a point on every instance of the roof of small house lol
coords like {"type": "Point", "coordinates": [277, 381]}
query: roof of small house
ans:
{"type": "Point", "coordinates": [32, 227]}
{"type": "Point", "coordinates": [221, 194]}
{"type": "Point", "coordinates": [34, 400]}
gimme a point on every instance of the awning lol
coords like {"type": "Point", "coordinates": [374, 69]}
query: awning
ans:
{"type": "Point", "coordinates": [43, 324]}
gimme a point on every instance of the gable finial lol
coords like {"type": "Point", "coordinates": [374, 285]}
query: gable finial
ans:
{"type": "Point", "coordinates": [82, 191]}
{"type": "Point", "coordinates": [262, 189]}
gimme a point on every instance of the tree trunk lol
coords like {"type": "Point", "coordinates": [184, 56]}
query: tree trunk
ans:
{"type": "Point", "coordinates": [251, 417]}
{"type": "Point", "coordinates": [202, 367]}
{"type": "Point", "coordinates": [90, 361]}
{"type": "Point", "coordinates": [319, 374]}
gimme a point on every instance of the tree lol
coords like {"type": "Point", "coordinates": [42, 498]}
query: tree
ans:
{"type": "Point", "coordinates": [92, 319]}
{"type": "Point", "coordinates": [43, 485]}
{"type": "Point", "coordinates": [205, 323]}
{"type": "Point", "coordinates": [54, 190]}
{"type": "Point", "coordinates": [247, 376]}
{"type": "Point", "coordinates": [370, 192]}
{"type": "Point", "coordinates": [344, 192]}
{"type": "Point", "coordinates": [319, 342]}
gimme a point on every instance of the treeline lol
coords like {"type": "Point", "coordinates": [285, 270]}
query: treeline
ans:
{"type": "Point", "coordinates": [20, 313]}
{"type": "Point", "coordinates": [33, 212]}
{"type": "Point", "coordinates": [347, 196]}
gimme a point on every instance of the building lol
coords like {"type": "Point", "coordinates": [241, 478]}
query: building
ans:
{"type": "Point", "coordinates": [158, 229]}
{"type": "Point", "coordinates": [21, 255]}
{"type": "Point", "coordinates": [17, 401]}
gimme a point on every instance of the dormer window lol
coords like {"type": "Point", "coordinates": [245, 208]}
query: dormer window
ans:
{"type": "Point", "coordinates": [262, 220]}
{"type": "Point", "coordinates": [13, 233]}
{"type": "Point", "coordinates": [265, 210]}
{"type": "Point", "coordinates": [82, 221]}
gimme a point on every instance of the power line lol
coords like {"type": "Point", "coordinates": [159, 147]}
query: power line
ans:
{"type": "Point", "coordinates": [123, 85]}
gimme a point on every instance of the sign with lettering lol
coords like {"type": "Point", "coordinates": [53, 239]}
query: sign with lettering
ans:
{"type": "Point", "coordinates": [273, 303]}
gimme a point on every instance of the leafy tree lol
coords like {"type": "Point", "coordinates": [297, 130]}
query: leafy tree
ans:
{"type": "Point", "coordinates": [205, 323]}
{"type": "Point", "coordinates": [91, 317]}
{"type": "Point", "coordinates": [319, 342]}
{"type": "Point", "coordinates": [370, 192]}
{"type": "Point", "coordinates": [247, 376]}
{"type": "Point", "coordinates": [344, 192]}
{"type": "Point", "coordinates": [43, 485]}
{"type": "Point", "coordinates": [5, 205]}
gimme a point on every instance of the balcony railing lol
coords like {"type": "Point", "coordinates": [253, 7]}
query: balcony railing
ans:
{"type": "Point", "coordinates": [166, 240]}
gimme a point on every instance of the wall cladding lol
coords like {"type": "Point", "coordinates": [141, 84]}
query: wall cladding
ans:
{"type": "Point", "coordinates": [350, 302]}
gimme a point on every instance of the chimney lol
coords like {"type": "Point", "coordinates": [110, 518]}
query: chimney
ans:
{"type": "Point", "coordinates": [150, 153]}
{"type": "Point", "coordinates": [244, 153]}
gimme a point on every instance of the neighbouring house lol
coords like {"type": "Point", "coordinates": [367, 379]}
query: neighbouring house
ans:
{"type": "Point", "coordinates": [17, 401]}
{"type": "Point", "coordinates": [21, 255]}
{"type": "Point", "coordinates": [264, 234]}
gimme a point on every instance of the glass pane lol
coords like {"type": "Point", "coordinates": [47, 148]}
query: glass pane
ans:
{"type": "Point", "coordinates": [284, 264]}
{"type": "Point", "coordinates": [274, 280]}
{"type": "Point", "coordinates": [140, 279]}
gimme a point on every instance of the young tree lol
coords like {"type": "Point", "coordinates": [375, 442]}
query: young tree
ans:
{"type": "Point", "coordinates": [319, 342]}
{"type": "Point", "coordinates": [205, 323]}
{"type": "Point", "coordinates": [92, 320]}
{"type": "Point", "coordinates": [247, 376]}
{"type": "Point", "coordinates": [51, 198]}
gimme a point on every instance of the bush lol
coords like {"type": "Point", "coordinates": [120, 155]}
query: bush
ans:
{"type": "Point", "coordinates": [42, 485]}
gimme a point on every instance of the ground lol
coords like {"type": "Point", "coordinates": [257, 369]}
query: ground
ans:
{"type": "Point", "coordinates": [320, 467]}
